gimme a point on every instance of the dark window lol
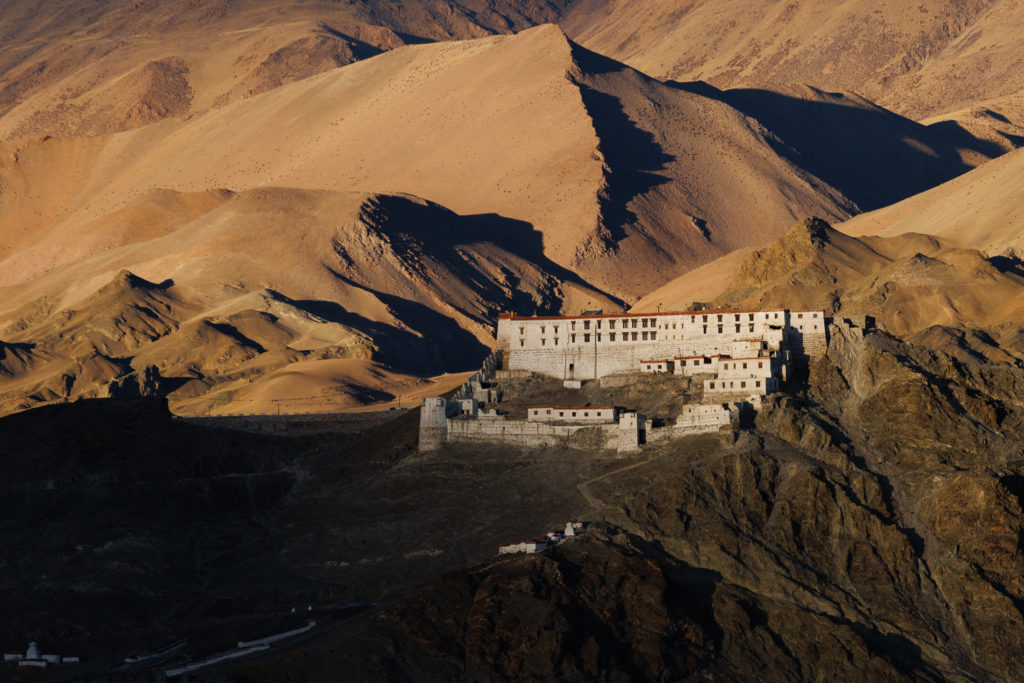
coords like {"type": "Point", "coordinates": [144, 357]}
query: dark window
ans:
{"type": "Point", "coordinates": [611, 336]}
{"type": "Point", "coordinates": [586, 324]}
{"type": "Point", "coordinates": [719, 329]}
{"type": "Point", "coordinates": [586, 337]}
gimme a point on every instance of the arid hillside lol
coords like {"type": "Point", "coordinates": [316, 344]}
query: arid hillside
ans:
{"type": "Point", "coordinates": [920, 60]}
{"type": "Point", "coordinates": [395, 187]}
{"type": "Point", "coordinates": [919, 287]}
{"type": "Point", "coordinates": [983, 209]}
{"type": "Point", "coordinates": [242, 284]}
{"type": "Point", "coordinates": [382, 213]}
{"type": "Point", "coordinates": [82, 67]}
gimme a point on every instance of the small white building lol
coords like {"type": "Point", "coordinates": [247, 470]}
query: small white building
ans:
{"type": "Point", "coordinates": [526, 547]}
{"type": "Point", "coordinates": [656, 367]}
{"type": "Point", "coordinates": [34, 657]}
{"type": "Point", "coordinates": [696, 365]}
{"type": "Point", "coordinates": [583, 414]}
{"type": "Point", "coordinates": [721, 390]}
{"type": "Point", "coordinates": [736, 368]}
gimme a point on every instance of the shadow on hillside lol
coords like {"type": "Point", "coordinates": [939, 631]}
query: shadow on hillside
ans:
{"type": "Point", "coordinates": [445, 236]}
{"type": "Point", "coordinates": [441, 346]}
{"type": "Point", "coordinates": [631, 154]}
{"type": "Point", "coordinates": [871, 155]}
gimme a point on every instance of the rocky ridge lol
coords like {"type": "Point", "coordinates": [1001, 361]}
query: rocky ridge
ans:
{"type": "Point", "coordinates": [867, 528]}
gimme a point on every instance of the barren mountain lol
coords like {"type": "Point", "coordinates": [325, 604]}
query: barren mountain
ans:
{"type": "Point", "coordinates": [920, 60]}
{"type": "Point", "coordinates": [552, 178]}
{"type": "Point", "coordinates": [983, 209]}
{"type": "Point", "coordinates": [319, 276]}
{"type": "Point", "coordinates": [79, 67]}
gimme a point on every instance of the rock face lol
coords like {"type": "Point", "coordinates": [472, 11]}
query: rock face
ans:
{"type": "Point", "coordinates": [868, 528]}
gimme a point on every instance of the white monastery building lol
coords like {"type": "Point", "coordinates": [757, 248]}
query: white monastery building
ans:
{"type": "Point", "coordinates": [736, 356]}
{"type": "Point", "coordinates": [592, 346]}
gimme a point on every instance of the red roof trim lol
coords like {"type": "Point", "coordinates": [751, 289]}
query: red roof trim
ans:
{"type": "Point", "coordinates": [572, 408]}
{"type": "Point", "coordinates": [717, 311]}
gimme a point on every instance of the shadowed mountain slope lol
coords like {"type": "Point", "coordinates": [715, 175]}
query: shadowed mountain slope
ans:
{"type": "Point", "coordinates": [865, 527]}
{"type": "Point", "coordinates": [570, 181]}
{"type": "Point", "coordinates": [983, 209]}
{"type": "Point", "coordinates": [368, 278]}
{"type": "Point", "coordinates": [919, 60]}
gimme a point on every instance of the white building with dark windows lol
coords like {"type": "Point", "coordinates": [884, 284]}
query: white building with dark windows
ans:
{"type": "Point", "coordinates": [589, 347]}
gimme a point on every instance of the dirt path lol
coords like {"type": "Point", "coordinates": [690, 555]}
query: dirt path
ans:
{"type": "Point", "coordinates": [596, 503]}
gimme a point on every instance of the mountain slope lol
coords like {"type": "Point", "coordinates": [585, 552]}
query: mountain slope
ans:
{"type": "Point", "coordinates": [77, 67]}
{"type": "Point", "coordinates": [614, 169]}
{"type": "Point", "coordinates": [918, 60]}
{"type": "Point", "coordinates": [980, 209]}
{"type": "Point", "coordinates": [370, 279]}
{"type": "Point", "coordinates": [915, 286]}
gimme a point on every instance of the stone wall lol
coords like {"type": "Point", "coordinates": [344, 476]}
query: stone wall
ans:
{"type": "Point", "coordinates": [299, 424]}
{"type": "Point", "coordinates": [533, 434]}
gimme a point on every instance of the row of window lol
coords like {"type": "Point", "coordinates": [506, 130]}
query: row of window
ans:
{"type": "Point", "coordinates": [651, 335]}
{"type": "Point", "coordinates": [735, 364]}
{"type": "Point", "coordinates": [732, 384]}
{"type": "Point", "coordinates": [652, 322]}
{"type": "Point", "coordinates": [561, 413]}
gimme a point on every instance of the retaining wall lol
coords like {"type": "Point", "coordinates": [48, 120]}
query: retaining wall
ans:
{"type": "Point", "coordinates": [299, 425]}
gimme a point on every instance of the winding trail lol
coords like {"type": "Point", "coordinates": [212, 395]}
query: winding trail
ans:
{"type": "Point", "coordinates": [584, 487]}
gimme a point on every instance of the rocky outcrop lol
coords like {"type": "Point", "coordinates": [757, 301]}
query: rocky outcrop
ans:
{"type": "Point", "coordinates": [869, 528]}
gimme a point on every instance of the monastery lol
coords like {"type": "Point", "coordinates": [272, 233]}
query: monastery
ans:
{"type": "Point", "coordinates": [738, 357]}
